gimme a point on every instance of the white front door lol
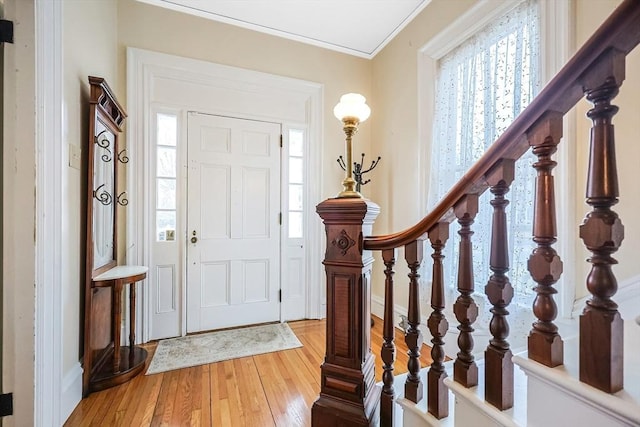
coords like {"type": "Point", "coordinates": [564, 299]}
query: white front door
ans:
{"type": "Point", "coordinates": [233, 236]}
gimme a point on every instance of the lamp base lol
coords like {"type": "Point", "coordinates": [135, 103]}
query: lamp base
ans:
{"type": "Point", "coordinates": [350, 194]}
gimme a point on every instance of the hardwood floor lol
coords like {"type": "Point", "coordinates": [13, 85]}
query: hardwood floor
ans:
{"type": "Point", "coordinates": [274, 389]}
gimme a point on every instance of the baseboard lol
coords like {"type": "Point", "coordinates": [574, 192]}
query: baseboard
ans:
{"type": "Point", "coordinates": [71, 391]}
{"type": "Point", "coordinates": [627, 298]}
{"type": "Point", "coordinates": [451, 339]}
{"type": "Point", "coordinates": [377, 309]}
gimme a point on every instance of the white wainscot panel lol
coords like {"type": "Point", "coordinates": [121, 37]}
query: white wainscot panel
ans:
{"type": "Point", "coordinates": [215, 139]}
{"type": "Point", "coordinates": [215, 209]}
{"type": "Point", "coordinates": [256, 143]}
{"type": "Point", "coordinates": [256, 285]}
{"type": "Point", "coordinates": [255, 202]}
{"type": "Point", "coordinates": [166, 288]}
{"type": "Point", "coordinates": [296, 281]}
{"type": "Point", "coordinates": [215, 284]}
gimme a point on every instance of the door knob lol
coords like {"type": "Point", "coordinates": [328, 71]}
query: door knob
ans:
{"type": "Point", "coordinates": [194, 239]}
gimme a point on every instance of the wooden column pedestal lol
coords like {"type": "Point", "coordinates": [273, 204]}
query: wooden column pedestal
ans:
{"type": "Point", "coordinates": [348, 395]}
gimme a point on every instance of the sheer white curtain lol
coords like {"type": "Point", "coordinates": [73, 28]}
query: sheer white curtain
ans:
{"type": "Point", "coordinates": [482, 85]}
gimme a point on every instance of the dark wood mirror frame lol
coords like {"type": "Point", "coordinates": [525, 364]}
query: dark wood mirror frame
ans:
{"type": "Point", "coordinates": [105, 362]}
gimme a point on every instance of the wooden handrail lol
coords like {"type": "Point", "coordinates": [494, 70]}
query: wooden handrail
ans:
{"type": "Point", "coordinates": [620, 32]}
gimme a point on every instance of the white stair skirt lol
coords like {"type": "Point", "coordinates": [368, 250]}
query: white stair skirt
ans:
{"type": "Point", "coordinates": [472, 410]}
{"type": "Point", "coordinates": [467, 407]}
{"type": "Point", "coordinates": [543, 397]}
{"type": "Point", "coordinates": [557, 398]}
{"type": "Point", "coordinates": [415, 415]}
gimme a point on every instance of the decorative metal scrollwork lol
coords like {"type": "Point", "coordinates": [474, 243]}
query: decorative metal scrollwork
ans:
{"type": "Point", "coordinates": [343, 242]}
{"type": "Point", "coordinates": [102, 141]}
{"type": "Point", "coordinates": [122, 199]}
{"type": "Point", "coordinates": [102, 195]}
{"type": "Point", "coordinates": [122, 156]}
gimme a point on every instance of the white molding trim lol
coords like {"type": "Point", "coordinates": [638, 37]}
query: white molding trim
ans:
{"type": "Point", "coordinates": [288, 35]}
{"type": "Point", "coordinates": [71, 391]}
{"type": "Point", "coordinates": [377, 309]}
{"type": "Point", "coordinates": [51, 156]}
{"type": "Point", "coordinates": [143, 67]}
{"type": "Point", "coordinates": [470, 22]}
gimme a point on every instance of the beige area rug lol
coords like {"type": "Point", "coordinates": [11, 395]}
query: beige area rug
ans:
{"type": "Point", "coordinates": [200, 349]}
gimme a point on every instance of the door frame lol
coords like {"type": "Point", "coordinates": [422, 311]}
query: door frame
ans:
{"type": "Point", "coordinates": [144, 71]}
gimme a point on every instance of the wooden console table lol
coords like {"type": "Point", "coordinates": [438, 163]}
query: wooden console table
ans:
{"type": "Point", "coordinates": [123, 362]}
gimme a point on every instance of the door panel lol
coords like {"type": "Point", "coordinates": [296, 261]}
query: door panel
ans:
{"type": "Point", "coordinates": [233, 251]}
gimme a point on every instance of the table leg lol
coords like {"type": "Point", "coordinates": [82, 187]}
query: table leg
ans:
{"type": "Point", "coordinates": [117, 320]}
{"type": "Point", "coordinates": [132, 317]}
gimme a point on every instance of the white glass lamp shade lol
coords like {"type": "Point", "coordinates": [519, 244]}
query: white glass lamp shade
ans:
{"type": "Point", "coordinates": [352, 105]}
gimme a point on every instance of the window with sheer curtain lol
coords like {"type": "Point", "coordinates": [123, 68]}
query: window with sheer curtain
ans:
{"type": "Point", "coordinates": [482, 85]}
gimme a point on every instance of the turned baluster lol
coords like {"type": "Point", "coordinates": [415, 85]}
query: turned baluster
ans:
{"type": "Point", "coordinates": [413, 337]}
{"type": "Point", "coordinates": [544, 344]}
{"type": "Point", "coordinates": [499, 367]}
{"type": "Point", "coordinates": [437, 400]}
{"type": "Point", "coordinates": [601, 327]}
{"type": "Point", "coordinates": [388, 352]}
{"type": "Point", "coordinates": [465, 370]}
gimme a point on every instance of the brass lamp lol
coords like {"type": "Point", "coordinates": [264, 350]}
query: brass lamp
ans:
{"type": "Point", "coordinates": [351, 111]}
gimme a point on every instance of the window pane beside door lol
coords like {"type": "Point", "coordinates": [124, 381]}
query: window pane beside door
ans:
{"type": "Point", "coordinates": [296, 181]}
{"type": "Point", "coordinates": [166, 192]}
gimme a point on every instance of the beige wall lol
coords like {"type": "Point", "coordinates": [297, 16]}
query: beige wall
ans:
{"type": "Point", "coordinates": [18, 206]}
{"type": "Point", "coordinates": [152, 28]}
{"type": "Point", "coordinates": [89, 42]}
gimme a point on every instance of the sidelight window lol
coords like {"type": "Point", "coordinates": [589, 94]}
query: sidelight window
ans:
{"type": "Point", "coordinates": [166, 177]}
{"type": "Point", "coordinates": [296, 183]}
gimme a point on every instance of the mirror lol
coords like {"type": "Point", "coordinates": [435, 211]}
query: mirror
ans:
{"type": "Point", "coordinates": [104, 251]}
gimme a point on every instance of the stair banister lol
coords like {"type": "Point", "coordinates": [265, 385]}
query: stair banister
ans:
{"type": "Point", "coordinates": [621, 31]}
{"type": "Point", "coordinates": [348, 396]}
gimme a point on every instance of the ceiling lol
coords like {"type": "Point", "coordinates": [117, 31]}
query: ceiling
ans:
{"type": "Point", "coordinates": [356, 27]}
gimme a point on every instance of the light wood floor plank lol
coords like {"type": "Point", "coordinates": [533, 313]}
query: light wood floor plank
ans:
{"type": "Point", "coordinates": [274, 389]}
{"type": "Point", "coordinates": [140, 410]}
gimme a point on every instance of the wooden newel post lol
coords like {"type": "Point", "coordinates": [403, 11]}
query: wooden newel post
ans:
{"type": "Point", "coordinates": [348, 395]}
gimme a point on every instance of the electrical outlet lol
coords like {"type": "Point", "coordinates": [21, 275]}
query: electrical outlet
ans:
{"type": "Point", "coordinates": [75, 156]}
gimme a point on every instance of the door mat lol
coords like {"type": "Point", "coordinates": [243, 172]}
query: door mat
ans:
{"type": "Point", "coordinates": [201, 349]}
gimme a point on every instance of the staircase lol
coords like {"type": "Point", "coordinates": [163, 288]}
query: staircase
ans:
{"type": "Point", "coordinates": [562, 379]}
{"type": "Point", "coordinates": [543, 396]}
